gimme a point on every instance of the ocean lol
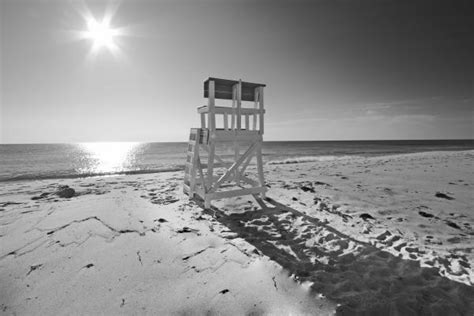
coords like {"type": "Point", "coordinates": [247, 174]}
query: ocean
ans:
{"type": "Point", "coordinates": [52, 161]}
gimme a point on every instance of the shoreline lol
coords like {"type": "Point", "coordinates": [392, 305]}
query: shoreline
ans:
{"type": "Point", "coordinates": [291, 160]}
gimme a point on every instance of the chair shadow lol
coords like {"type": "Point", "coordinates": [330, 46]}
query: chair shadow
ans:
{"type": "Point", "coordinates": [363, 279]}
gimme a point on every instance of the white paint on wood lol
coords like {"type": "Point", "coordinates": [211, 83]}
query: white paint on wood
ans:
{"type": "Point", "coordinates": [261, 110]}
{"type": "Point", "coordinates": [221, 173]}
{"type": "Point", "coordinates": [224, 109]}
{"type": "Point", "coordinates": [226, 123]}
{"type": "Point", "coordinates": [211, 116]}
{"type": "Point", "coordinates": [239, 105]}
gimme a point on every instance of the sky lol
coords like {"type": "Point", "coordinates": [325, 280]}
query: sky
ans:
{"type": "Point", "coordinates": [334, 70]}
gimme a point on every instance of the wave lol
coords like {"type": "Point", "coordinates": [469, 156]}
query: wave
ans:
{"type": "Point", "coordinates": [26, 177]}
{"type": "Point", "coordinates": [294, 160]}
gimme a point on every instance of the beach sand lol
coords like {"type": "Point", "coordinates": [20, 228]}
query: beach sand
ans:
{"type": "Point", "coordinates": [392, 234]}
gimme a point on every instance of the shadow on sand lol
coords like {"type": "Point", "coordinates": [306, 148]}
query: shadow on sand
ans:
{"type": "Point", "coordinates": [364, 280]}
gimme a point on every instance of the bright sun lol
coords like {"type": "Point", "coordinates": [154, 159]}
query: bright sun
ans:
{"type": "Point", "coordinates": [101, 34]}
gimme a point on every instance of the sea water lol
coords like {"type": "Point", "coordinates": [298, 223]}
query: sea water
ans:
{"type": "Point", "coordinates": [49, 161]}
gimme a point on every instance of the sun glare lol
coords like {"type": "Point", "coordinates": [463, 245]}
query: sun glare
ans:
{"type": "Point", "coordinates": [101, 34]}
{"type": "Point", "coordinates": [108, 157]}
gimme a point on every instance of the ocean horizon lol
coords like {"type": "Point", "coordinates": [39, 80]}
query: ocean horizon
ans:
{"type": "Point", "coordinates": [75, 160]}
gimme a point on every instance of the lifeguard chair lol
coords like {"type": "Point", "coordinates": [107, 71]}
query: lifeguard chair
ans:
{"type": "Point", "coordinates": [230, 137]}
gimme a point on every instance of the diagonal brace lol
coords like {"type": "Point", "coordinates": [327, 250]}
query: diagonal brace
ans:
{"type": "Point", "coordinates": [234, 166]}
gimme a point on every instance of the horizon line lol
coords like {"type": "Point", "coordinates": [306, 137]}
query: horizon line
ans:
{"type": "Point", "coordinates": [265, 141]}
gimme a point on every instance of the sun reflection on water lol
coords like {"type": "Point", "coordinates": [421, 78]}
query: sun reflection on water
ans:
{"type": "Point", "coordinates": [108, 157]}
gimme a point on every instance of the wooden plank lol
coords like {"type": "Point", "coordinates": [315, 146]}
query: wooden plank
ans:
{"type": "Point", "coordinates": [210, 165]}
{"type": "Point", "coordinates": [234, 166]}
{"type": "Point", "coordinates": [231, 193]}
{"type": "Point", "coordinates": [185, 189]}
{"type": "Point", "coordinates": [211, 117]}
{"type": "Point", "coordinates": [260, 166]}
{"type": "Point", "coordinates": [201, 173]}
{"type": "Point", "coordinates": [227, 110]}
{"type": "Point", "coordinates": [234, 101]}
{"type": "Point", "coordinates": [236, 157]}
{"type": "Point", "coordinates": [260, 201]}
{"type": "Point", "coordinates": [239, 105]}
{"type": "Point", "coordinates": [194, 156]}
{"type": "Point", "coordinates": [230, 136]}
{"type": "Point", "coordinates": [261, 110]}
{"type": "Point", "coordinates": [245, 164]}
{"type": "Point", "coordinates": [212, 127]}
{"type": "Point", "coordinates": [226, 123]}
{"type": "Point", "coordinates": [204, 136]}
{"type": "Point", "coordinates": [200, 192]}
{"type": "Point", "coordinates": [255, 107]}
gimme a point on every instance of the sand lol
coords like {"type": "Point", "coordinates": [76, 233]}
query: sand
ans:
{"type": "Point", "coordinates": [376, 235]}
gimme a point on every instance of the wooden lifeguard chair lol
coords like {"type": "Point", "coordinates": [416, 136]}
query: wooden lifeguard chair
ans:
{"type": "Point", "coordinates": [218, 156]}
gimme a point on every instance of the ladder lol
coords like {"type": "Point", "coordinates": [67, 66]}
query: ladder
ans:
{"type": "Point", "coordinates": [193, 162]}
{"type": "Point", "coordinates": [190, 166]}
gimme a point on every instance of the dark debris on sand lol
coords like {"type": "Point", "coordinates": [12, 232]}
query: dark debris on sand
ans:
{"type": "Point", "coordinates": [65, 192]}
{"type": "Point", "coordinates": [41, 196]}
{"type": "Point", "coordinates": [186, 229]}
{"type": "Point", "coordinates": [424, 214]}
{"type": "Point", "coordinates": [453, 225]}
{"type": "Point", "coordinates": [33, 268]}
{"type": "Point", "coordinates": [443, 196]}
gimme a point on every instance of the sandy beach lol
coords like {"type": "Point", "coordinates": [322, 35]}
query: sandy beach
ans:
{"type": "Point", "coordinates": [391, 234]}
